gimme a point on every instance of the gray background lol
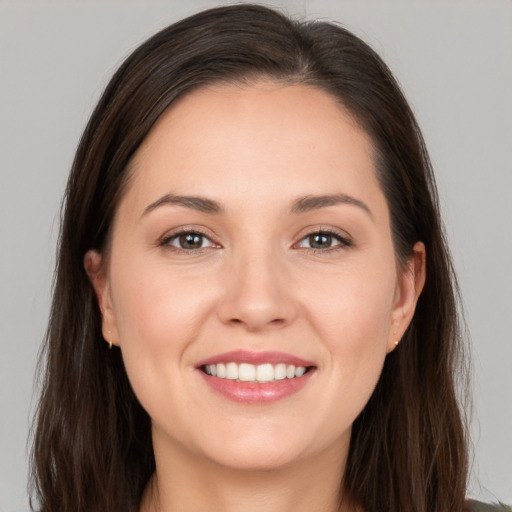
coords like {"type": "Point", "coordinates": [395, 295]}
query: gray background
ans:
{"type": "Point", "coordinates": [454, 60]}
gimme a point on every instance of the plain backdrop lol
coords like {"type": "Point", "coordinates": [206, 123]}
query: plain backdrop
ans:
{"type": "Point", "coordinates": [454, 60]}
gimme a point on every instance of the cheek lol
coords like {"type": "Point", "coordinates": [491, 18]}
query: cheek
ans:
{"type": "Point", "coordinates": [159, 315]}
{"type": "Point", "coordinates": [351, 312]}
{"type": "Point", "coordinates": [353, 305]}
{"type": "Point", "coordinates": [352, 318]}
{"type": "Point", "coordinates": [157, 308]}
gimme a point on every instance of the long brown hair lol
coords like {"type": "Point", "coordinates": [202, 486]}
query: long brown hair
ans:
{"type": "Point", "coordinates": [92, 444]}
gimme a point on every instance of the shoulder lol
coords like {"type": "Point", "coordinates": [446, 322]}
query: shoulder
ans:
{"type": "Point", "coordinates": [478, 506]}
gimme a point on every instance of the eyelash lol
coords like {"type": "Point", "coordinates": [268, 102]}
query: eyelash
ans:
{"type": "Point", "coordinates": [166, 241]}
{"type": "Point", "coordinates": [343, 241]}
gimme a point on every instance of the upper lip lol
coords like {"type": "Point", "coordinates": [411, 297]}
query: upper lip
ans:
{"type": "Point", "coordinates": [256, 358]}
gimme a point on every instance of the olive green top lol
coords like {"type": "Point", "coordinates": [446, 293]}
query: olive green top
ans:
{"type": "Point", "coordinates": [478, 506]}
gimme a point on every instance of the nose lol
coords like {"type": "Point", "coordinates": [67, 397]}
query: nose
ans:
{"type": "Point", "coordinates": [257, 293]}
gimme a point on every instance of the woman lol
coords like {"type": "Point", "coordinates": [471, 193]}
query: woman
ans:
{"type": "Point", "coordinates": [251, 225]}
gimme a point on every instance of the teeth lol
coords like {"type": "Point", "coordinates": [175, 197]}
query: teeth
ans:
{"type": "Point", "coordinates": [232, 371]}
{"type": "Point", "coordinates": [262, 373]}
{"type": "Point", "coordinates": [280, 371]}
{"type": "Point", "coordinates": [265, 373]}
{"type": "Point", "coordinates": [246, 372]}
{"type": "Point", "coordinates": [300, 371]}
{"type": "Point", "coordinates": [221, 370]}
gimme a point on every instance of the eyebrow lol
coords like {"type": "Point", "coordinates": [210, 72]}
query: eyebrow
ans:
{"type": "Point", "coordinates": [310, 202]}
{"type": "Point", "coordinates": [201, 204]}
{"type": "Point", "coordinates": [300, 205]}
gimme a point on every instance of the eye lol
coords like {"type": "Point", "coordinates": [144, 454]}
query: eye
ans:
{"type": "Point", "coordinates": [188, 241]}
{"type": "Point", "coordinates": [323, 240]}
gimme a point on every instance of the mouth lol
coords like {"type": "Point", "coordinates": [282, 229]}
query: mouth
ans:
{"type": "Point", "coordinates": [256, 377]}
{"type": "Point", "coordinates": [262, 373]}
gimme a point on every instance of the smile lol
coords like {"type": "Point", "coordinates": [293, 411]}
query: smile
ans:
{"type": "Point", "coordinates": [256, 377]}
{"type": "Point", "coordinates": [262, 373]}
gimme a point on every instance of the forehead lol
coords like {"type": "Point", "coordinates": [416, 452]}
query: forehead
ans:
{"type": "Point", "coordinates": [263, 140]}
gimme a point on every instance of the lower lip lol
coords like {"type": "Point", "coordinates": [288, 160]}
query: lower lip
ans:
{"type": "Point", "coordinates": [256, 392]}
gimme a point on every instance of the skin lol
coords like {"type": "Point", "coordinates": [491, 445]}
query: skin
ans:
{"type": "Point", "coordinates": [256, 284]}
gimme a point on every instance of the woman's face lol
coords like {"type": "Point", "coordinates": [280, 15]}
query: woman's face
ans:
{"type": "Point", "coordinates": [253, 237]}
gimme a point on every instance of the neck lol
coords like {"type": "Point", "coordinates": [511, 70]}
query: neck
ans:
{"type": "Point", "coordinates": [183, 482]}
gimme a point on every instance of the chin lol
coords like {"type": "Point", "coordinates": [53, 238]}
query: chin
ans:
{"type": "Point", "coordinates": [256, 459]}
{"type": "Point", "coordinates": [265, 447]}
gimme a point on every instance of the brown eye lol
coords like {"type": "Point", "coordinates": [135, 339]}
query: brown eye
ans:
{"type": "Point", "coordinates": [323, 241]}
{"type": "Point", "coordinates": [320, 241]}
{"type": "Point", "coordinates": [189, 241]}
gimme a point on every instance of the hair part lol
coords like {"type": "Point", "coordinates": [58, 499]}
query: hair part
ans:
{"type": "Point", "coordinates": [92, 445]}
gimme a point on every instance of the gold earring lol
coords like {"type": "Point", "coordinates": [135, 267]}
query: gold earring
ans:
{"type": "Point", "coordinates": [397, 342]}
{"type": "Point", "coordinates": [109, 342]}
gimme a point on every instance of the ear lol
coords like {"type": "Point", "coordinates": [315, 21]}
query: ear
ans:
{"type": "Point", "coordinates": [95, 268]}
{"type": "Point", "coordinates": [409, 287]}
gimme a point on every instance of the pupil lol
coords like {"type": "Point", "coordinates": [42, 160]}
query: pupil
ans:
{"type": "Point", "coordinates": [320, 241]}
{"type": "Point", "coordinates": [191, 241]}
